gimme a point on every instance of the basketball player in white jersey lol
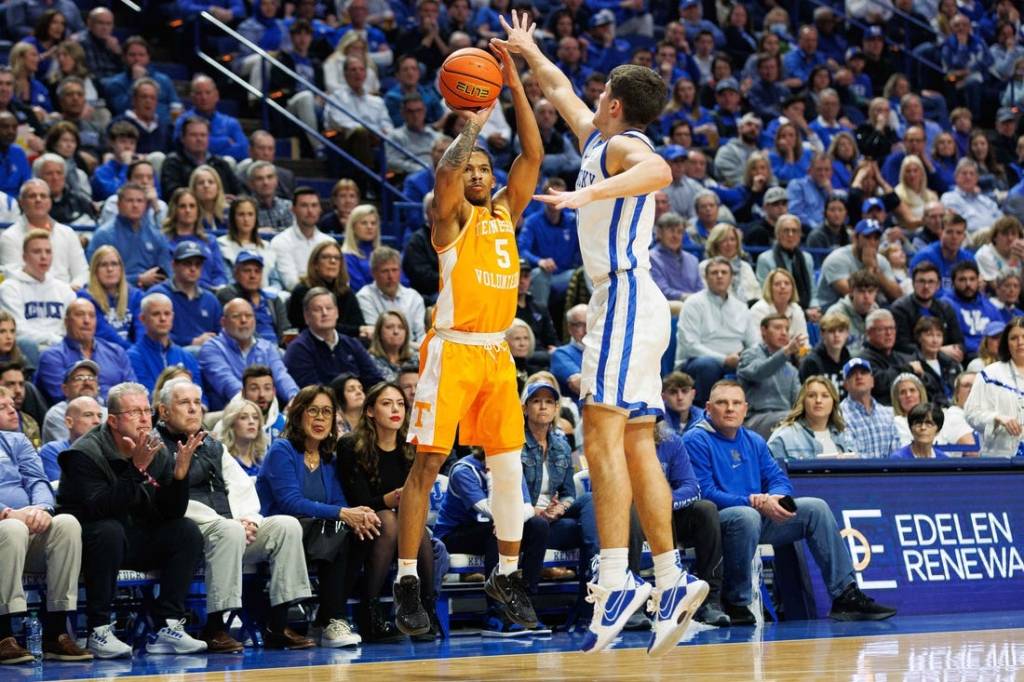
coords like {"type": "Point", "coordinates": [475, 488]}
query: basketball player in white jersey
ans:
{"type": "Point", "coordinates": [628, 329]}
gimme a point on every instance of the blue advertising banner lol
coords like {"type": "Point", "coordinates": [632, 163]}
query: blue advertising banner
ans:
{"type": "Point", "coordinates": [928, 542]}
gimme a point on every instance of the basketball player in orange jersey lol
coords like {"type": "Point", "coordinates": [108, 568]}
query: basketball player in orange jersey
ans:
{"type": "Point", "coordinates": [467, 375]}
{"type": "Point", "coordinates": [620, 382]}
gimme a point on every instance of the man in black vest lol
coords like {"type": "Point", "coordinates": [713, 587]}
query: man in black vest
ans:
{"type": "Point", "coordinates": [224, 504]}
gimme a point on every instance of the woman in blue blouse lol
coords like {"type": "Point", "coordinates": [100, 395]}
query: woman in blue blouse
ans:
{"type": "Point", "coordinates": [298, 478]}
{"type": "Point", "coordinates": [925, 422]}
{"type": "Point", "coordinates": [24, 61]}
{"type": "Point", "coordinates": [183, 224]}
{"type": "Point", "coordinates": [362, 236]}
{"type": "Point", "coordinates": [788, 157]}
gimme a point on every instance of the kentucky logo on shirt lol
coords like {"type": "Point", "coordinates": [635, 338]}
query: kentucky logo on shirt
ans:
{"type": "Point", "coordinates": [53, 310]}
{"type": "Point", "coordinates": [737, 458]}
{"type": "Point", "coordinates": [149, 246]}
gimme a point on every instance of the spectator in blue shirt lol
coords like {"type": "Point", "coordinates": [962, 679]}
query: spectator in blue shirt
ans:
{"type": "Point", "coordinates": [226, 135]}
{"type": "Point", "coordinates": [767, 93]}
{"type": "Point", "coordinates": [407, 75]}
{"type": "Point", "coordinates": [81, 414]}
{"type": "Point", "coordinates": [224, 358]}
{"type": "Point", "coordinates": [925, 422]}
{"type": "Point", "coordinates": [154, 131]}
{"type": "Point", "coordinates": [947, 252]}
{"type": "Point", "coordinates": [123, 138]}
{"type": "Point", "coordinates": [118, 91]}
{"type": "Point", "coordinates": [604, 50]}
{"type": "Point", "coordinates": [738, 473]}
{"type": "Point", "coordinates": [691, 14]}
{"type": "Point", "coordinates": [142, 247]}
{"type": "Point", "coordinates": [567, 360]}
{"type": "Point", "coordinates": [549, 243]}
{"type": "Point", "coordinates": [678, 391]}
{"type": "Point", "coordinates": [570, 63]}
{"type": "Point", "coordinates": [80, 343]}
{"type": "Point", "coordinates": [154, 351]}
{"type": "Point", "coordinates": [807, 194]}
{"type": "Point", "coordinates": [14, 168]}
{"type": "Point", "coordinates": [23, 15]}
{"type": "Point", "coordinates": [798, 63]}
{"type": "Point", "coordinates": [966, 61]}
{"type": "Point", "coordinates": [974, 311]}
{"type": "Point", "coordinates": [31, 532]}
{"type": "Point", "coordinates": [788, 157]}
{"type": "Point", "coordinates": [197, 312]}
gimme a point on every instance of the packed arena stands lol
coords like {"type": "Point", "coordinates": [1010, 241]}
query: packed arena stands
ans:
{"type": "Point", "coordinates": [211, 208]}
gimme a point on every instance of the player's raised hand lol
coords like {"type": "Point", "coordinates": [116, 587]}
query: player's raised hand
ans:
{"type": "Point", "coordinates": [520, 33]}
{"type": "Point", "coordinates": [560, 200]}
{"type": "Point", "coordinates": [508, 66]}
{"type": "Point", "coordinates": [479, 117]}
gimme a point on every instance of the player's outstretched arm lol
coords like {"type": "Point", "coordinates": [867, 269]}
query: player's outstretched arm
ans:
{"type": "Point", "coordinates": [633, 168]}
{"type": "Point", "coordinates": [449, 187]}
{"type": "Point", "coordinates": [522, 177]}
{"type": "Point", "coordinates": [556, 85]}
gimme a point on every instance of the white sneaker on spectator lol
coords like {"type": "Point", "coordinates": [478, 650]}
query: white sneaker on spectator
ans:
{"type": "Point", "coordinates": [103, 643]}
{"type": "Point", "coordinates": [337, 633]}
{"type": "Point", "coordinates": [673, 608]}
{"type": "Point", "coordinates": [613, 609]}
{"type": "Point", "coordinates": [172, 639]}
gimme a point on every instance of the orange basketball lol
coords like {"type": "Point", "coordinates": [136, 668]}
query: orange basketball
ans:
{"type": "Point", "coordinates": [470, 79]}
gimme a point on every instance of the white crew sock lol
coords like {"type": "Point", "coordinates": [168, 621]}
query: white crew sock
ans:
{"type": "Point", "coordinates": [612, 572]}
{"type": "Point", "coordinates": [406, 567]}
{"type": "Point", "coordinates": [507, 565]}
{"type": "Point", "coordinates": [667, 569]}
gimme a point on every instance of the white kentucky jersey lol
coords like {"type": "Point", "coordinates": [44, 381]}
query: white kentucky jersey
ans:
{"type": "Point", "coordinates": [615, 234]}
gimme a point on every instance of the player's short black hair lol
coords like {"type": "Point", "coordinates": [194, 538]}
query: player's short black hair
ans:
{"type": "Point", "coordinates": [642, 92]}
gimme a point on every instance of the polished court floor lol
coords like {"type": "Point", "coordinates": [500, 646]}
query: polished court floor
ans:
{"type": "Point", "coordinates": [984, 646]}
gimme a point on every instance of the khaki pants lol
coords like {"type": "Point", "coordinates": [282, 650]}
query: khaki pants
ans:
{"type": "Point", "coordinates": [278, 542]}
{"type": "Point", "coordinates": [57, 552]}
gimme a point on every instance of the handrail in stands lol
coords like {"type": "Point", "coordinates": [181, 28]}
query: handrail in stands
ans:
{"type": "Point", "coordinates": [392, 198]}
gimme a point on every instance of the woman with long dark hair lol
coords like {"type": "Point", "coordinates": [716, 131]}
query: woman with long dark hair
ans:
{"type": "Point", "coordinates": [298, 478]}
{"type": "Point", "coordinates": [327, 268]}
{"type": "Point", "coordinates": [373, 462]}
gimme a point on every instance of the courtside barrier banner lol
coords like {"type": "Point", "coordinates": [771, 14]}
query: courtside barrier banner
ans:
{"type": "Point", "coordinates": [926, 539]}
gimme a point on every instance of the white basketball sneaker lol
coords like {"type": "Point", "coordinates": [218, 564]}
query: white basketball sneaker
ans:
{"type": "Point", "coordinates": [172, 639]}
{"type": "Point", "coordinates": [103, 643]}
{"type": "Point", "coordinates": [612, 609]}
{"type": "Point", "coordinates": [673, 608]}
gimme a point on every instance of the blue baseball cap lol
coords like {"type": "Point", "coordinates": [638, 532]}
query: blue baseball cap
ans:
{"type": "Point", "coordinates": [532, 390]}
{"type": "Point", "coordinates": [188, 249]}
{"type": "Point", "coordinates": [873, 202]}
{"type": "Point", "coordinates": [248, 257]}
{"type": "Point", "coordinates": [727, 84]}
{"type": "Point", "coordinates": [994, 328]}
{"type": "Point", "coordinates": [673, 152]}
{"type": "Point", "coordinates": [853, 364]}
{"type": "Point", "coordinates": [602, 18]}
{"type": "Point", "coordinates": [868, 227]}
{"type": "Point", "coordinates": [687, 4]}
{"type": "Point", "coordinates": [872, 32]}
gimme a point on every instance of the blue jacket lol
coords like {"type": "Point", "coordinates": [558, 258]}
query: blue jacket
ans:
{"type": "Point", "coordinates": [117, 91]}
{"type": "Point", "coordinates": [48, 454]}
{"type": "Point", "coordinates": [55, 361]}
{"type": "Point", "coordinates": [215, 273]}
{"type": "Point", "coordinates": [678, 470]}
{"type": "Point", "coordinates": [310, 361]}
{"type": "Point", "coordinates": [675, 421]}
{"type": "Point", "coordinates": [358, 267]}
{"type": "Point", "coordinates": [467, 485]}
{"type": "Point", "coordinates": [140, 251]}
{"type": "Point", "coordinates": [108, 178]}
{"type": "Point", "coordinates": [933, 254]}
{"type": "Point", "coordinates": [558, 462]}
{"type": "Point", "coordinates": [148, 359]}
{"type": "Point", "coordinates": [226, 135]}
{"type": "Point", "coordinates": [279, 485]}
{"type": "Point", "coordinates": [730, 470]}
{"type": "Point", "coordinates": [906, 453]}
{"type": "Point", "coordinates": [565, 361]}
{"type": "Point", "coordinates": [14, 170]}
{"type": "Point", "coordinates": [807, 202]}
{"type": "Point", "coordinates": [23, 481]}
{"type": "Point", "coordinates": [109, 327]}
{"type": "Point", "coordinates": [973, 317]}
{"type": "Point", "coordinates": [192, 316]}
{"type": "Point", "coordinates": [222, 364]}
{"type": "Point", "coordinates": [541, 238]}
{"type": "Point", "coordinates": [796, 441]}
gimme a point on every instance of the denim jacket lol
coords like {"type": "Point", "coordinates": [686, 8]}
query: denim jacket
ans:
{"type": "Point", "coordinates": [559, 463]}
{"type": "Point", "coordinates": [796, 441]}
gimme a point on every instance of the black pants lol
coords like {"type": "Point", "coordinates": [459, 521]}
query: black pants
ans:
{"type": "Point", "coordinates": [695, 526]}
{"type": "Point", "coordinates": [336, 579]}
{"type": "Point", "coordinates": [173, 547]}
{"type": "Point", "coordinates": [479, 538]}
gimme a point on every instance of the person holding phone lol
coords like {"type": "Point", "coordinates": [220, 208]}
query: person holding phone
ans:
{"type": "Point", "coordinates": [737, 472]}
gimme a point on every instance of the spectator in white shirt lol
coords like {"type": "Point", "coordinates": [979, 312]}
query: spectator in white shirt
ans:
{"type": "Point", "coordinates": [414, 136]}
{"type": "Point", "coordinates": [387, 293]}
{"type": "Point", "coordinates": [353, 97]}
{"type": "Point", "coordinates": [292, 247]}
{"type": "Point", "coordinates": [69, 265]}
{"type": "Point", "coordinates": [36, 299]}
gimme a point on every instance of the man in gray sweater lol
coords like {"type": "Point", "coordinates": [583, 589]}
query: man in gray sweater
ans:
{"type": "Point", "coordinates": [769, 379]}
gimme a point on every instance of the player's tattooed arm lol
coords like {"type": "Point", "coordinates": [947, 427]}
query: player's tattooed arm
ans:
{"type": "Point", "coordinates": [458, 151]}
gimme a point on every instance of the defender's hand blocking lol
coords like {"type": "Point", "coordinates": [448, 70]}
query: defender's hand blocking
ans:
{"type": "Point", "coordinates": [520, 33]}
{"type": "Point", "coordinates": [560, 200]}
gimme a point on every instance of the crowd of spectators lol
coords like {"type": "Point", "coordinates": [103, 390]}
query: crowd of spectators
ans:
{"type": "Point", "coordinates": [212, 364]}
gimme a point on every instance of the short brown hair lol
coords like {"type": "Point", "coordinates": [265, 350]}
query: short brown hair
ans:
{"type": "Point", "coordinates": [33, 235]}
{"type": "Point", "coordinates": [774, 317]}
{"type": "Point", "coordinates": [642, 92]}
{"type": "Point", "coordinates": [677, 380]}
{"type": "Point", "coordinates": [928, 323]}
{"type": "Point", "coordinates": [834, 321]}
{"type": "Point", "coordinates": [864, 279]}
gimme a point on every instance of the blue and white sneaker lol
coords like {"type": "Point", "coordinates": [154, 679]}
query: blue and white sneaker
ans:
{"type": "Point", "coordinates": [612, 609]}
{"type": "Point", "coordinates": [673, 608]}
{"type": "Point", "coordinates": [172, 639]}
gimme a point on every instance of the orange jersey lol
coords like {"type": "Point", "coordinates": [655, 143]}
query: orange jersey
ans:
{"type": "Point", "coordinates": [479, 287]}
